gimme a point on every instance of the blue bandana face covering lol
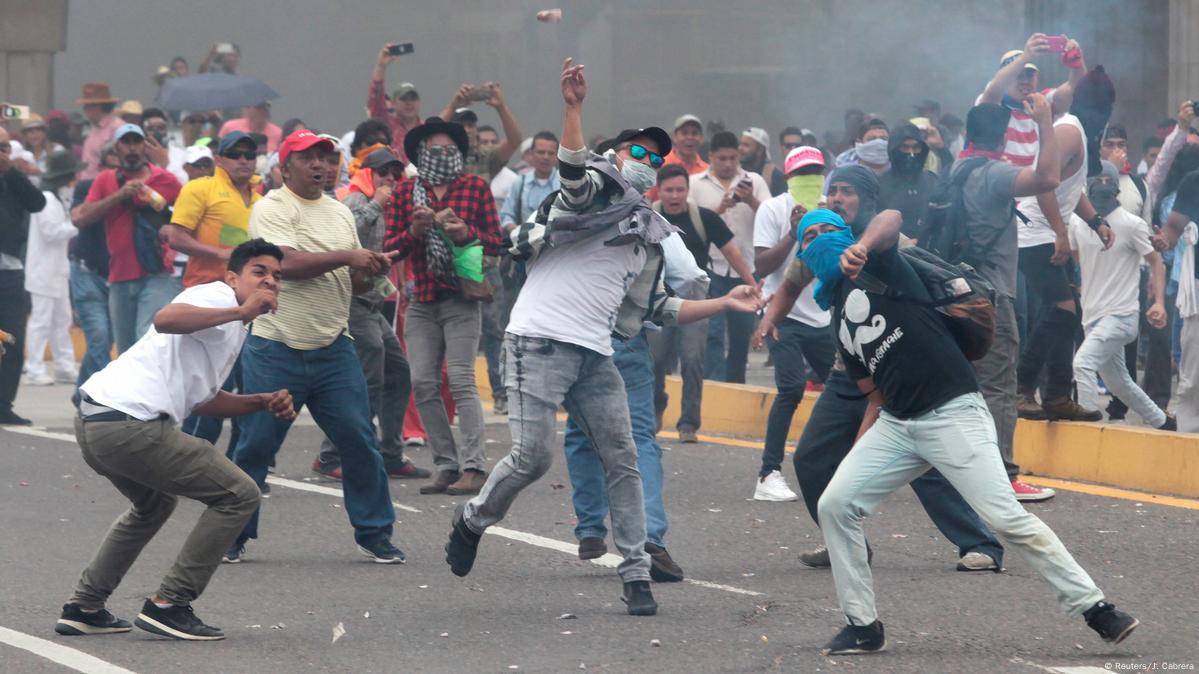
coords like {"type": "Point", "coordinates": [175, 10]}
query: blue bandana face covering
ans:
{"type": "Point", "coordinates": [823, 257]}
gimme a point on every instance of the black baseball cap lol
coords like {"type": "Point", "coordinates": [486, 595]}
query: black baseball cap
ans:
{"type": "Point", "coordinates": [654, 133]}
{"type": "Point", "coordinates": [380, 158]}
{"type": "Point", "coordinates": [465, 116]}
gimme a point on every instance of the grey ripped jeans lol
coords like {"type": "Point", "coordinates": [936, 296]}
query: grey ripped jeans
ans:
{"type": "Point", "coordinates": [542, 374]}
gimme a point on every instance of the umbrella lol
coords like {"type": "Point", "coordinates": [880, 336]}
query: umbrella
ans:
{"type": "Point", "coordinates": [213, 91]}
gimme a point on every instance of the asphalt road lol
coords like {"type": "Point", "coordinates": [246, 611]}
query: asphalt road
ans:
{"type": "Point", "coordinates": [756, 608]}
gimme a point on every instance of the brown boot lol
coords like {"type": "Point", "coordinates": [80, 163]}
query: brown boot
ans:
{"type": "Point", "coordinates": [1064, 409]}
{"type": "Point", "coordinates": [1027, 407]}
{"type": "Point", "coordinates": [470, 483]}
{"type": "Point", "coordinates": [443, 480]}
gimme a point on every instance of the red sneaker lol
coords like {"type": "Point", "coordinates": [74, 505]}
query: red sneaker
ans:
{"type": "Point", "coordinates": [1029, 494]}
{"type": "Point", "coordinates": [331, 472]}
{"type": "Point", "coordinates": [813, 387]}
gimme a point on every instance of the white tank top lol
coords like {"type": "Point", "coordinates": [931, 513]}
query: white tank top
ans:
{"type": "Point", "coordinates": [1037, 230]}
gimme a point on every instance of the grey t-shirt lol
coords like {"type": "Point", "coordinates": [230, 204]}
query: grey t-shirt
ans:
{"type": "Point", "coordinates": [988, 200]}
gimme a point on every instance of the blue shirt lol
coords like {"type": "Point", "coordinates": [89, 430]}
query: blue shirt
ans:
{"type": "Point", "coordinates": [526, 195]}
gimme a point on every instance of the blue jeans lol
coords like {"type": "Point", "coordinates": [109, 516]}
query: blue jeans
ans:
{"type": "Point", "coordinates": [828, 437]}
{"type": "Point", "coordinates": [798, 345]}
{"type": "Point", "coordinates": [329, 380]}
{"type": "Point", "coordinates": [209, 428]}
{"type": "Point", "coordinates": [590, 488]}
{"type": "Point", "coordinates": [719, 364]}
{"type": "Point", "coordinates": [132, 305]}
{"type": "Point", "coordinates": [89, 295]}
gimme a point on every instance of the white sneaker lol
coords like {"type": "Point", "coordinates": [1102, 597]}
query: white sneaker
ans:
{"type": "Point", "coordinates": [41, 379]}
{"type": "Point", "coordinates": [66, 377]}
{"type": "Point", "coordinates": [977, 561]}
{"type": "Point", "coordinates": [773, 488]}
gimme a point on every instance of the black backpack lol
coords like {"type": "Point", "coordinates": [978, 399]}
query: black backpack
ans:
{"type": "Point", "coordinates": [965, 300]}
{"type": "Point", "coordinates": [147, 223]}
{"type": "Point", "coordinates": [946, 228]}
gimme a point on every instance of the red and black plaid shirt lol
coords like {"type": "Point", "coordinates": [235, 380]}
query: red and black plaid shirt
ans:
{"type": "Point", "coordinates": [470, 197]}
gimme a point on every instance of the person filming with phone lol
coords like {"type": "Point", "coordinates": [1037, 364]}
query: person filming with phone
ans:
{"type": "Point", "coordinates": [402, 110]}
{"type": "Point", "coordinates": [735, 195]}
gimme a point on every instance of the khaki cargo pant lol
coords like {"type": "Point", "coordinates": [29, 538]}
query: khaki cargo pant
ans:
{"type": "Point", "coordinates": [152, 463]}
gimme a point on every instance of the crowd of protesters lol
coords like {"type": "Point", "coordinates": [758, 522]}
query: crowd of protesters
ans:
{"type": "Point", "coordinates": [376, 266]}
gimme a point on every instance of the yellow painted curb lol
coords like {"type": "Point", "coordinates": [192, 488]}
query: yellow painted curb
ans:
{"type": "Point", "coordinates": [1121, 456]}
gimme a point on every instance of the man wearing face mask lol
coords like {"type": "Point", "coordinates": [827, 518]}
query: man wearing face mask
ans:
{"type": "Point", "coordinates": [870, 150]}
{"type": "Point", "coordinates": [832, 426]}
{"type": "Point", "coordinates": [1111, 302]}
{"type": "Point", "coordinates": [907, 185]}
{"type": "Point", "coordinates": [598, 229]}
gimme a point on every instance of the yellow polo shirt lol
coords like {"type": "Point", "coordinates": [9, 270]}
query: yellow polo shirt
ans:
{"type": "Point", "coordinates": [214, 211]}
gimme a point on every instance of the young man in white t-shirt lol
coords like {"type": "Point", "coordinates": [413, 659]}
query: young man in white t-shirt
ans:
{"type": "Point", "coordinates": [128, 430]}
{"type": "Point", "coordinates": [1111, 299]}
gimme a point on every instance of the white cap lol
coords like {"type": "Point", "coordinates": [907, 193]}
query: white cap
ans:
{"type": "Point", "coordinates": [195, 153]}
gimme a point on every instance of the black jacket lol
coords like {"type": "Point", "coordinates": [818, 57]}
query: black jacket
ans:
{"type": "Point", "coordinates": [18, 198]}
{"type": "Point", "coordinates": [908, 192]}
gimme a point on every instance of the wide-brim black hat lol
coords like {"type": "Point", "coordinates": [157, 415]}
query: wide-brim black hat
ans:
{"type": "Point", "coordinates": [413, 138]}
{"type": "Point", "coordinates": [654, 133]}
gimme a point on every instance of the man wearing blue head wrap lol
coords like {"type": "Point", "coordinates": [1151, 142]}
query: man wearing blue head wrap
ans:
{"type": "Point", "coordinates": [833, 423]}
{"type": "Point", "coordinates": [918, 417]}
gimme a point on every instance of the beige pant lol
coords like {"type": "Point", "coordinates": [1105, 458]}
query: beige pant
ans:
{"type": "Point", "coordinates": [1188, 377]}
{"type": "Point", "coordinates": [152, 463]}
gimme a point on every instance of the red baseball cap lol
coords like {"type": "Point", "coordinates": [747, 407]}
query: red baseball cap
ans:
{"type": "Point", "coordinates": [301, 140]}
{"type": "Point", "coordinates": [802, 156]}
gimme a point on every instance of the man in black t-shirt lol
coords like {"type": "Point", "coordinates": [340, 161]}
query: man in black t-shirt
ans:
{"type": "Point", "coordinates": [918, 416]}
{"type": "Point", "coordinates": [699, 227]}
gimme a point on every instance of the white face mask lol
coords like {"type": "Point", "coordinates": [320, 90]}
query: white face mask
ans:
{"type": "Point", "coordinates": [640, 176]}
{"type": "Point", "coordinates": [873, 151]}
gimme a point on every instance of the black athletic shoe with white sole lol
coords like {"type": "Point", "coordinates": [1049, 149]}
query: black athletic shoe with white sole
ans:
{"type": "Point", "coordinates": [463, 546]}
{"type": "Point", "coordinates": [854, 640]}
{"type": "Point", "coordinates": [1114, 626]}
{"type": "Point", "coordinates": [76, 622]}
{"type": "Point", "coordinates": [383, 552]}
{"type": "Point", "coordinates": [176, 622]}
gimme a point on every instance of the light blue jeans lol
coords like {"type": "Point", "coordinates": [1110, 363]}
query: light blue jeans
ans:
{"type": "Point", "coordinates": [1102, 354]}
{"type": "Point", "coordinates": [132, 305]}
{"type": "Point", "coordinates": [589, 489]}
{"type": "Point", "coordinates": [89, 296]}
{"type": "Point", "coordinates": [542, 374]}
{"type": "Point", "coordinates": [958, 439]}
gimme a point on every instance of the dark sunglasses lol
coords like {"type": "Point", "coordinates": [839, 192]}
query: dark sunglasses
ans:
{"type": "Point", "coordinates": [639, 152]}
{"type": "Point", "coordinates": [234, 154]}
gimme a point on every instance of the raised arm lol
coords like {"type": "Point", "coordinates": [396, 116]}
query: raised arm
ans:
{"type": "Point", "coordinates": [881, 234]}
{"type": "Point", "coordinates": [512, 132]}
{"type": "Point", "coordinates": [1006, 77]}
{"type": "Point", "coordinates": [1170, 147]}
{"type": "Point", "coordinates": [579, 187]}
{"type": "Point", "coordinates": [376, 97]}
{"type": "Point", "coordinates": [1047, 174]}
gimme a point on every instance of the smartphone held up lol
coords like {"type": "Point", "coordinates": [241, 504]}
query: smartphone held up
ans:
{"type": "Point", "coordinates": [400, 48]}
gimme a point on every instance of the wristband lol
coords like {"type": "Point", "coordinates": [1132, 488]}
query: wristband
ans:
{"type": "Point", "coordinates": [1096, 222]}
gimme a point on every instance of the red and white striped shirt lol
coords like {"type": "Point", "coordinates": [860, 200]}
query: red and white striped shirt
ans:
{"type": "Point", "coordinates": [1022, 142]}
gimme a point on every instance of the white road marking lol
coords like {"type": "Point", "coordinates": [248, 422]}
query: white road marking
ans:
{"type": "Point", "coordinates": [322, 489]}
{"type": "Point", "coordinates": [63, 655]}
{"type": "Point", "coordinates": [609, 560]}
{"type": "Point", "coordinates": [1084, 669]}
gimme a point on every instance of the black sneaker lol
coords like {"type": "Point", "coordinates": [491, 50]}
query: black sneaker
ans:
{"type": "Point", "coordinates": [176, 622]}
{"type": "Point", "coordinates": [663, 568]}
{"type": "Point", "coordinates": [854, 640]}
{"type": "Point", "coordinates": [383, 552]}
{"type": "Point", "coordinates": [463, 545]}
{"type": "Point", "coordinates": [76, 622]}
{"type": "Point", "coordinates": [1114, 626]}
{"type": "Point", "coordinates": [11, 418]}
{"type": "Point", "coordinates": [234, 554]}
{"type": "Point", "coordinates": [818, 558]}
{"type": "Point", "coordinates": [1171, 423]}
{"type": "Point", "coordinates": [638, 598]}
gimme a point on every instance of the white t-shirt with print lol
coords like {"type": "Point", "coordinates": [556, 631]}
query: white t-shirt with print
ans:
{"type": "Point", "coordinates": [173, 374]}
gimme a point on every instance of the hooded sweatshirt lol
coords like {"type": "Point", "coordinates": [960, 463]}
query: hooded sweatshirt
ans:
{"type": "Point", "coordinates": [907, 185]}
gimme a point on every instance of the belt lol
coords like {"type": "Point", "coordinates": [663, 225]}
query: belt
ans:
{"type": "Point", "coordinates": [90, 410]}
